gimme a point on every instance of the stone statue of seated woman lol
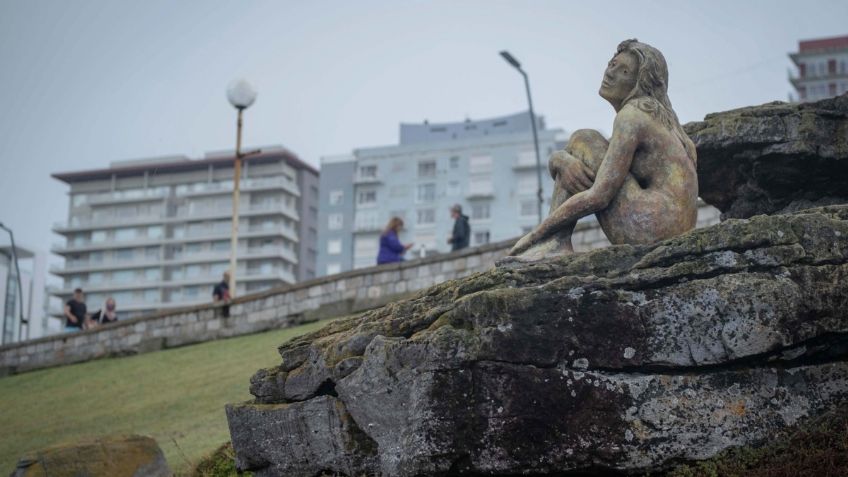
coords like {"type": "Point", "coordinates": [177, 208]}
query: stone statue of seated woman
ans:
{"type": "Point", "coordinates": [642, 183]}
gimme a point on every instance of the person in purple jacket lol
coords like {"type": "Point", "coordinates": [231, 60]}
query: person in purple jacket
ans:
{"type": "Point", "coordinates": [391, 250]}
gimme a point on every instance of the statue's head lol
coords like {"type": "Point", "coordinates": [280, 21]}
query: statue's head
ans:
{"type": "Point", "coordinates": [638, 73]}
{"type": "Point", "coordinates": [636, 70]}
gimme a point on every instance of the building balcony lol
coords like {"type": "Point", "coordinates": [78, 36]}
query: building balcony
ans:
{"type": "Point", "coordinates": [137, 195]}
{"type": "Point", "coordinates": [245, 210]}
{"type": "Point", "coordinates": [798, 80]}
{"type": "Point", "coordinates": [77, 224]}
{"type": "Point", "coordinates": [246, 185]}
{"type": "Point", "coordinates": [359, 179]}
{"type": "Point", "coordinates": [212, 235]}
{"type": "Point", "coordinates": [105, 265]}
{"type": "Point", "coordinates": [480, 193]}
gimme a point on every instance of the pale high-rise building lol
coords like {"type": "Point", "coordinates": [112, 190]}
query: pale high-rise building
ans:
{"type": "Point", "coordinates": [155, 233]}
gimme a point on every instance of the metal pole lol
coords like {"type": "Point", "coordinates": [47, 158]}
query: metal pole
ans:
{"type": "Point", "coordinates": [535, 144]}
{"type": "Point", "coordinates": [21, 319]}
{"type": "Point", "coordinates": [236, 177]}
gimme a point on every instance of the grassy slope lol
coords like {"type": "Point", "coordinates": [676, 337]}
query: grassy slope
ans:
{"type": "Point", "coordinates": [175, 395]}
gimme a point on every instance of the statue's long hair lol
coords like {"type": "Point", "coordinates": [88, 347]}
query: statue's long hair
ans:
{"type": "Point", "coordinates": [651, 91]}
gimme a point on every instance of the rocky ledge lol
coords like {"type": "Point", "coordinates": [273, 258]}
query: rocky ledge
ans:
{"type": "Point", "coordinates": [625, 359]}
{"type": "Point", "coordinates": [773, 158]}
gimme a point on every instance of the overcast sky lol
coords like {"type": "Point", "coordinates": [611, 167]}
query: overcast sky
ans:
{"type": "Point", "coordinates": [83, 83]}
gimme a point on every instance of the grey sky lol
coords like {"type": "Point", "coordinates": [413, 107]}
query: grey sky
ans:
{"type": "Point", "coordinates": [83, 83]}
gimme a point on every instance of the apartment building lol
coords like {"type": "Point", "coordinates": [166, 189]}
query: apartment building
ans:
{"type": "Point", "coordinates": [822, 68]}
{"type": "Point", "coordinates": [487, 166]}
{"type": "Point", "coordinates": [155, 233]}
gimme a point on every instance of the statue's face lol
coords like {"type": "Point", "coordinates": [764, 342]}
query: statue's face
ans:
{"type": "Point", "coordinates": [619, 78]}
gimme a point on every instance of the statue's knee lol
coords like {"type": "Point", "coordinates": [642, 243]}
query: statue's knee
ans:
{"type": "Point", "coordinates": [587, 144]}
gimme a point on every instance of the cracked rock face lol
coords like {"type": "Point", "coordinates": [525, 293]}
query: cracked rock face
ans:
{"type": "Point", "coordinates": [774, 158]}
{"type": "Point", "coordinates": [629, 358]}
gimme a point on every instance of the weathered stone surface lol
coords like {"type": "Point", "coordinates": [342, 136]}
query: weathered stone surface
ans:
{"type": "Point", "coordinates": [111, 456]}
{"type": "Point", "coordinates": [777, 157]}
{"type": "Point", "coordinates": [622, 359]}
{"type": "Point", "coordinates": [335, 443]}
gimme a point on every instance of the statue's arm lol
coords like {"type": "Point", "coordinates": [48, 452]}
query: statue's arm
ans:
{"type": "Point", "coordinates": [626, 134]}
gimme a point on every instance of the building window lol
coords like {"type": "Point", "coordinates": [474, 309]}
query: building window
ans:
{"type": "Point", "coordinates": [334, 246]}
{"type": "Point", "coordinates": [426, 193]}
{"type": "Point", "coordinates": [454, 162]}
{"type": "Point", "coordinates": [480, 165]}
{"type": "Point", "coordinates": [124, 234]}
{"type": "Point", "coordinates": [367, 220]}
{"type": "Point", "coordinates": [480, 186]}
{"type": "Point", "coordinates": [368, 172]}
{"type": "Point", "coordinates": [124, 254]}
{"type": "Point", "coordinates": [454, 188]}
{"type": "Point", "coordinates": [426, 169]}
{"type": "Point", "coordinates": [426, 216]}
{"type": "Point", "coordinates": [367, 197]}
{"type": "Point", "coordinates": [527, 184]}
{"type": "Point", "coordinates": [528, 208]}
{"type": "Point", "coordinates": [481, 237]}
{"type": "Point", "coordinates": [398, 191]}
{"type": "Point", "coordinates": [398, 166]}
{"type": "Point", "coordinates": [335, 221]}
{"type": "Point", "coordinates": [123, 276]}
{"type": "Point", "coordinates": [333, 268]}
{"type": "Point", "coordinates": [480, 211]}
{"type": "Point", "coordinates": [336, 197]}
{"type": "Point", "coordinates": [155, 232]}
{"type": "Point", "coordinates": [152, 274]}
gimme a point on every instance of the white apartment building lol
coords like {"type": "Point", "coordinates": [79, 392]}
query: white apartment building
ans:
{"type": "Point", "coordinates": [822, 68]}
{"type": "Point", "coordinates": [486, 166]}
{"type": "Point", "coordinates": [155, 233]}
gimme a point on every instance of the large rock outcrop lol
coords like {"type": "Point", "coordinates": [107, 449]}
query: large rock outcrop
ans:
{"type": "Point", "coordinates": [623, 359]}
{"type": "Point", "coordinates": [773, 158]}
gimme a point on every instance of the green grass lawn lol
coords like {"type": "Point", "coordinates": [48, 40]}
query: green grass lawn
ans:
{"type": "Point", "coordinates": [176, 396]}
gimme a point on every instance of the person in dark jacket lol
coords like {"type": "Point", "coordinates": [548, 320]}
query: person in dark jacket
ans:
{"type": "Point", "coordinates": [391, 250]}
{"type": "Point", "coordinates": [461, 230]}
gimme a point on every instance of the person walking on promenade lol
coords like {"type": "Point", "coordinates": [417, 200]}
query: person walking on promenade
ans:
{"type": "Point", "coordinates": [391, 250]}
{"type": "Point", "coordinates": [461, 230]}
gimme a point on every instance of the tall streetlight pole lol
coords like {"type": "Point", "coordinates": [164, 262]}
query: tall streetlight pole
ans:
{"type": "Point", "coordinates": [512, 61]}
{"type": "Point", "coordinates": [22, 321]}
{"type": "Point", "coordinates": [241, 95]}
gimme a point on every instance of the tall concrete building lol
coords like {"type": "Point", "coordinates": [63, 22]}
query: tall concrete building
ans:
{"type": "Point", "coordinates": [155, 233]}
{"type": "Point", "coordinates": [486, 166]}
{"type": "Point", "coordinates": [822, 68]}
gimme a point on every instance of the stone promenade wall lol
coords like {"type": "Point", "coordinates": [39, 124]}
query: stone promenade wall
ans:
{"type": "Point", "coordinates": [334, 295]}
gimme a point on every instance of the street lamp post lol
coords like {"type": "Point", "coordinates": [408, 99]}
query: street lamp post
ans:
{"type": "Point", "coordinates": [241, 95]}
{"type": "Point", "coordinates": [21, 319]}
{"type": "Point", "coordinates": [512, 61]}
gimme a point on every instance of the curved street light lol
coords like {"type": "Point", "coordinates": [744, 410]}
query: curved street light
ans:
{"type": "Point", "coordinates": [241, 95]}
{"type": "Point", "coordinates": [515, 64]}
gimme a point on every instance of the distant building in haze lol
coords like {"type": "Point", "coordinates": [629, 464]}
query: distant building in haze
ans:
{"type": "Point", "coordinates": [486, 166]}
{"type": "Point", "coordinates": [822, 68]}
{"type": "Point", "coordinates": [155, 233]}
{"type": "Point", "coordinates": [33, 266]}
